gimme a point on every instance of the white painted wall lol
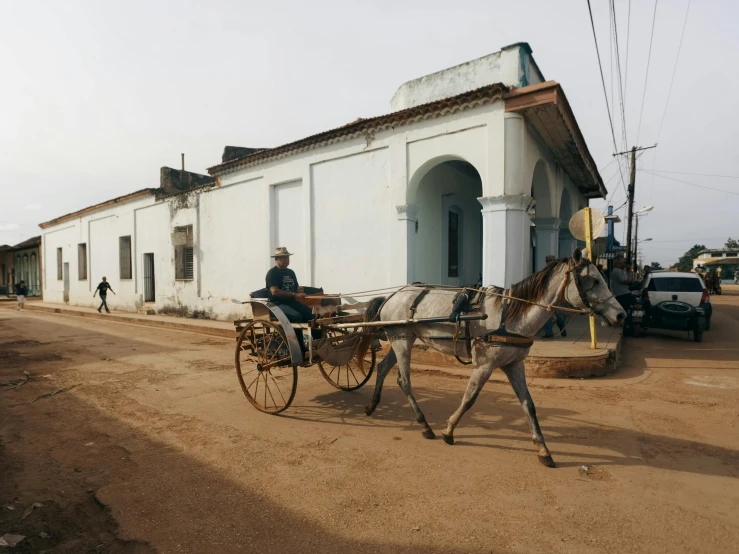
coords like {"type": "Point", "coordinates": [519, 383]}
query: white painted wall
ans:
{"type": "Point", "coordinates": [513, 66]}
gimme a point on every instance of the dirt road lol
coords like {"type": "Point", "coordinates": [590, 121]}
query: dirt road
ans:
{"type": "Point", "coordinates": [155, 449]}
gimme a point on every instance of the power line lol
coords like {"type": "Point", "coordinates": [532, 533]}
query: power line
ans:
{"type": "Point", "coordinates": [697, 174]}
{"type": "Point", "coordinates": [646, 76]}
{"type": "Point", "coordinates": [674, 70]}
{"type": "Point", "coordinates": [618, 72]}
{"type": "Point", "coordinates": [626, 69]}
{"type": "Point", "coordinates": [692, 184]}
{"type": "Point", "coordinates": [603, 81]}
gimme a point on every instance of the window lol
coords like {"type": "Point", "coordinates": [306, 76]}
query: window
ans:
{"type": "Point", "coordinates": [82, 261]}
{"type": "Point", "coordinates": [124, 256]}
{"type": "Point", "coordinates": [59, 272]}
{"type": "Point", "coordinates": [183, 253]}
{"type": "Point", "coordinates": [675, 284]}
{"type": "Point", "coordinates": [731, 254]}
{"type": "Point", "coordinates": [453, 262]}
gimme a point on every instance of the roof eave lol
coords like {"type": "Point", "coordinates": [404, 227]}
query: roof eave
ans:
{"type": "Point", "coordinates": [546, 108]}
{"type": "Point", "coordinates": [97, 207]}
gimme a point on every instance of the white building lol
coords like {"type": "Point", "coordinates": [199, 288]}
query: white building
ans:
{"type": "Point", "coordinates": [713, 254]}
{"type": "Point", "coordinates": [471, 175]}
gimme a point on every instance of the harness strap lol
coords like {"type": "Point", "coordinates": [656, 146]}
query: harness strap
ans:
{"type": "Point", "coordinates": [417, 301]}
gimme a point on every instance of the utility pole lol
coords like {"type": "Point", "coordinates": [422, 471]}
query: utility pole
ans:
{"type": "Point", "coordinates": [630, 199]}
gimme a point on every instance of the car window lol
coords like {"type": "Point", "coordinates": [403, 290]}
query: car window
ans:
{"type": "Point", "coordinates": [675, 284]}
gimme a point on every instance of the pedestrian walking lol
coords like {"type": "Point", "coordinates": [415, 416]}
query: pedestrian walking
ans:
{"type": "Point", "coordinates": [736, 277]}
{"type": "Point", "coordinates": [21, 291]}
{"type": "Point", "coordinates": [103, 289]}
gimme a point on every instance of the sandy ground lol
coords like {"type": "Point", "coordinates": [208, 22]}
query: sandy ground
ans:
{"type": "Point", "coordinates": [155, 449]}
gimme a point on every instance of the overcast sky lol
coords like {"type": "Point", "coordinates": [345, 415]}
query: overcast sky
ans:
{"type": "Point", "coordinates": [97, 96]}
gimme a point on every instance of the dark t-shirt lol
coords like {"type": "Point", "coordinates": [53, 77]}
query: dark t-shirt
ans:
{"type": "Point", "coordinates": [21, 290]}
{"type": "Point", "coordinates": [283, 279]}
{"type": "Point", "coordinates": [103, 288]}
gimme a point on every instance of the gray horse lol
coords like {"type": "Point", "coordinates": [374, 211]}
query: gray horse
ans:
{"type": "Point", "coordinates": [571, 282]}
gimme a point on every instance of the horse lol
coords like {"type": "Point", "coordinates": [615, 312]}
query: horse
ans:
{"type": "Point", "coordinates": [573, 283]}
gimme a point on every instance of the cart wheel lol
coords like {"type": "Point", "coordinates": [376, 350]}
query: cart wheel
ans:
{"type": "Point", "coordinates": [353, 375]}
{"type": "Point", "coordinates": [263, 366]}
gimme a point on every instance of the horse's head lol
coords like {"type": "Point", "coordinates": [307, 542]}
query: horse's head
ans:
{"type": "Point", "coordinates": [588, 290]}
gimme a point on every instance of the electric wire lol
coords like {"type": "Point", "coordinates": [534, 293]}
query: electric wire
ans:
{"type": "Point", "coordinates": [646, 76]}
{"type": "Point", "coordinates": [692, 184]}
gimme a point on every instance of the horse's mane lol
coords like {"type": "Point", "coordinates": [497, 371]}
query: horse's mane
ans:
{"type": "Point", "coordinates": [532, 289]}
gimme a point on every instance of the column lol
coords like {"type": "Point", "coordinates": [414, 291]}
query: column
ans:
{"type": "Point", "coordinates": [506, 228]}
{"type": "Point", "coordinates": [547, 240]}
{"type": "Point", "coordinates": [406, 247]}
{"type": "Point", "coordinates": [567, 243]}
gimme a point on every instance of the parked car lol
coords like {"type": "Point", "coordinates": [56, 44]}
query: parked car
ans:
{"type": "Point", "coordinates": [678, 301]}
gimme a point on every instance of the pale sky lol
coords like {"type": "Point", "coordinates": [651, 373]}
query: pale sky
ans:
{"type": "Point", "coordinates": [97, 96]}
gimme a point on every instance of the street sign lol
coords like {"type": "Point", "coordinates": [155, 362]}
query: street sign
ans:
{"type": "Point", "coordinates": [578, 224]}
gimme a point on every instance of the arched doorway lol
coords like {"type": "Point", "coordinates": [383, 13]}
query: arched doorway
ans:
{"type": "Point", "coordinates": [447, 246]}
{"type": "Point", "coordinates": [546, 227]}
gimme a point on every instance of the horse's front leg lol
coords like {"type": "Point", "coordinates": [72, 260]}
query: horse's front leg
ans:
{"type": "Point", "coordinates": [517, 377]}
{"type": "Point", "coordinates": [480, 375]}
{"type": "Point", "coordinates": [383, 368]}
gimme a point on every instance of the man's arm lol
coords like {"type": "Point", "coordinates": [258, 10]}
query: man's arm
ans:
{"type": "Point", "coordinates": [277, 292]}
{"type": "Point", "coordinates": [110, 288]}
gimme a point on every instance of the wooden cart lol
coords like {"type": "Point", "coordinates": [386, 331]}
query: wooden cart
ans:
{"type": "Point", "coordinates": [268, 352]}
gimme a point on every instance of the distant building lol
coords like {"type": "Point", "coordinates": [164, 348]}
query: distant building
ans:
{"type": "Point", "coordinates": [472, 175]}
{"type": "Point", "coordinates": [21, 262]}
{"type": "Point", "coordinates": [711, 254]}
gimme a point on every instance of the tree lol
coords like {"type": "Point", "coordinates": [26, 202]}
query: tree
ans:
{"type": "Point", "coordinates": [732, 244]}
{"type": "Point", "coordinates": [656, 265]}
{"type": "Point", "coordinates": [685, 262]}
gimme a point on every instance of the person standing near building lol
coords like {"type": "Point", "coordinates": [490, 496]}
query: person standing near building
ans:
{"type": "Point", "coordinates": [103, 289]}
{"type": "Point", "coordinates": [620, 281]}
{"type": "Point", "coordinates": [736, 277]}
{"type": "Point", "coordinates": [21, 291]}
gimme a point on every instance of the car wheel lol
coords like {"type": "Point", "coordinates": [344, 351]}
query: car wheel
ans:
{"type": "Point", "coordinates": [636, 330]}
{"type": "Point", "coordinates": [698, 336]}
{"type": "Point", "coordinates": [708, 323]}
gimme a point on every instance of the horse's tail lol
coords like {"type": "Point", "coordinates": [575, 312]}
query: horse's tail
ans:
{"type": "Point", "coordinates": [371, 314]}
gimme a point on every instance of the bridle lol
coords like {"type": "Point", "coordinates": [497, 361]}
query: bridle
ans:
{"type": "Point", "coordinates": [573, 269]}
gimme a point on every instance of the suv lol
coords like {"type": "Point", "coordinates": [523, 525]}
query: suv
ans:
{"type": "Point", "coordinates": [677, 301]}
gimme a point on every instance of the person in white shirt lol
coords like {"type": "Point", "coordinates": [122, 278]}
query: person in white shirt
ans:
{"type": "Point", "coordinates": [621, 278]}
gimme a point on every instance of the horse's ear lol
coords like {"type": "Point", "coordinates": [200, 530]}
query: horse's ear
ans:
{"type": "Point", "coordinates": [577, 255]}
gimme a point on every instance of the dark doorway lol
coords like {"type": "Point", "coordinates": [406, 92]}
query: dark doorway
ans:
{"type": "Point", "coordinates": [149, 278]}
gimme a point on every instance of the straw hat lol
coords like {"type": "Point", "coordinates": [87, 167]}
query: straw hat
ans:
{"type": "Point", "coordinates": [281, 251]}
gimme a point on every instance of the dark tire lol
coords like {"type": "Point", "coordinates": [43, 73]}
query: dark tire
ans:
{"type": "Point", "coordinates": [708, 323]}
{"type": "Point", "coordinates": [698, 336]}
{"type": "Point", "coordinates": [264, 367]}
{"type": "Point", "coordinates": [353, 375]}
{"type": "Point", "coordinates": [636, 330]}
{"type": "Point", "coordinates": [676, 309]}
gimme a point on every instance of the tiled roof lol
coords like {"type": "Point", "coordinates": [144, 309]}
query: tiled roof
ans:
{"type": "Point", "coordinates": [366, 127]}
{"type": "Point", "coordinates": [29, 243]}
{"type": "Point", "coordinates": [120, 200]}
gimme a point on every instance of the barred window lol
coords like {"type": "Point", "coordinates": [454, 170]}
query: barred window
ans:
{"type": "Point", "coordinates": [124, 250]}
{"type": "Point", "coordinates": [184, 253]}
{"type": "Point", "coordinates": [82, 261]}
{"type": "Point", "coordinates": [59, 272]}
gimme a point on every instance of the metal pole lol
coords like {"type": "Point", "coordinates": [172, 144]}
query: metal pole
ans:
{"type": "Point", "coordinates": [183, 162]}
{"type": "Point", "coordinates": [630, 212]}
{"type": "Point", "coordinates": [635, 265]}
{"type": "Point", "coordinates": [591, 255]}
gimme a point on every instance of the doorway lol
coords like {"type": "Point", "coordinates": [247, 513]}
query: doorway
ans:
{"type": "Point", "coordinates": [65, 274]}
{"type": "Point", "coordinates": [149, 283]}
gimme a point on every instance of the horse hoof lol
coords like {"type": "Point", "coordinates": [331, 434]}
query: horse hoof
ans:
{"type": "Point", "coordinates": [368, 410]}
{"type": "Point", "coordinates": [428, 434]}
{"type": "Point", "coordinates": [547, 461]}
{"type": "Point", "coordinates": [447, 438]}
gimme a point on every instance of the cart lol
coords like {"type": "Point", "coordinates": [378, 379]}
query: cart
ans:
{"type": "Point", "coordinates": [268, 352]}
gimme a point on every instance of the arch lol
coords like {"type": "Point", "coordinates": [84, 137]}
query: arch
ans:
{"type": "Point", "coordinates": [541, 190]}
{"type": "Point", "coordinates": [415, 180]}
{"type": "Point", "coordinates": [565, 207]}
{"type": "Point", "coordinates": [446, 244]}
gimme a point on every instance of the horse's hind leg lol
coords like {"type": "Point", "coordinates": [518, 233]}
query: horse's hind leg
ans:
{"type": "Point", "coordinates": [517, 377]}
{"type": "Point", "coordinates": [403, 351]}
{"type": "Point", "coordinates": [383, 368]}
{"type": "Point", "coordinates": [479, 377]}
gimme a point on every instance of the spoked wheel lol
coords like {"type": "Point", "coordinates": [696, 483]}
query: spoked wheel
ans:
{"type": "Point", "coordinates": [264, 367]}
{"type": "Point", "coordinates": [355, 373]}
